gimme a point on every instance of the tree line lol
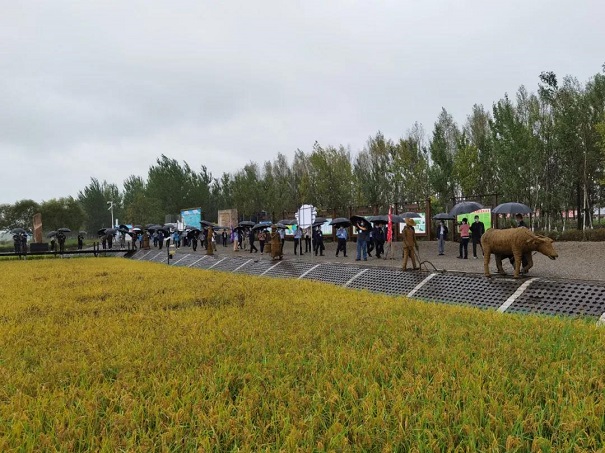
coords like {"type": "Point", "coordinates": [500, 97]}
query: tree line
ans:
{"type": "Point", "coordinates": [544, 148]}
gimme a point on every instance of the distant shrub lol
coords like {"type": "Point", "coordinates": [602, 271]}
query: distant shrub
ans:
{"type": "Point", "coordinates": [596, 234]}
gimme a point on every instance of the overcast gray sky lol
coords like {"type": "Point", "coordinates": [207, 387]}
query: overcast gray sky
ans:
{"type": "Point", "coordinates": [102, 88]}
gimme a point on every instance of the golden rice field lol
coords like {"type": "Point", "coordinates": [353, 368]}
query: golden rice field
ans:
{"type": "Point", "coordinates": [115, 355]}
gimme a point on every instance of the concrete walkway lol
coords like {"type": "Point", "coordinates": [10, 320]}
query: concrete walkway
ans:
{"type": "Point", "coordinates": [577, 260]}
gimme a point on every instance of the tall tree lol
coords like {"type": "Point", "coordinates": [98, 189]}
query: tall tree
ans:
{"type": "Point", "coordinates": [246, 190]}
{"type": "Point", "coordinates": [443, 148]}
{"type": "Point", "coordinates": [285, 190]}
{"type": "Point", "coordinates": [330, 174]}
{"type": "Point", "coordinates": [62, 212]}
{"type": "Point", "coordinates": [18, 215]}
{"type": "Point", "coordinates": [409, 172]}
{"type": "Point", "coordinates": [371, 171]}
{"type": "Point", "coordinates": [94, 199]}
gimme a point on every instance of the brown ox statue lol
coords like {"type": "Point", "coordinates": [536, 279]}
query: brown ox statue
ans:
{"type": "Point", "coordinates": [516, 242]}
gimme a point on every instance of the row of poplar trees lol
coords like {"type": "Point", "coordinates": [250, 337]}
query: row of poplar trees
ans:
{"type": "Point", "coordinates": [545, 149]}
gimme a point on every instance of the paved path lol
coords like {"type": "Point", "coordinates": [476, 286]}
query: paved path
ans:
{"type": "Point", "coordinates": [577, 260]}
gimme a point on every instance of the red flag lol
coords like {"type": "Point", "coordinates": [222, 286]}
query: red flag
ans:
{"type": "Point", "coordinates": [390, 226]}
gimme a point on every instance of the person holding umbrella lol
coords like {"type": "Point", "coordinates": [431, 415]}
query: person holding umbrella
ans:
{"type": "Point", "coordinates": [318, 239]}
{"type": "Point", "coordinates": [362, 237]}
{"type": "Point", "coordinates": [160, 239]}
{"type": "Point", "coordinates": [251, 238]}
{"type": "Point", "coordinates": [61, 238]}
{"type": "Point", "coordinates": [442, 231]}
{"type": "Point", "coordinates": [17, 243]}
{"type": "Point", "coordinates": [477, 230]}
{"type": "Point", "coordinates": [262, 238]}
{"type": "Point", "coordinates": [409, 244]}
{"type": "Point", "coordinates": [464, 237]}
{"type": "Point", "coordinates": [23, 242]}
{"type": "Point", "coordinates": [342, 236]}
{"type": "Point", "coordinates": [297, 240]}
{"type": "Point", "coordinates": [308, 234]}
{"type": "Point", "coordinates": [379, 237]}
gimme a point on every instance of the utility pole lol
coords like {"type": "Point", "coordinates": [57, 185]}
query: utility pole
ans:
{"type": "Point", "coordinates": [110, 203]}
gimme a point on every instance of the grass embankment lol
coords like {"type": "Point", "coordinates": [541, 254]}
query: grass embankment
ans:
{"type": "Point", "coordinates": [112, 354]}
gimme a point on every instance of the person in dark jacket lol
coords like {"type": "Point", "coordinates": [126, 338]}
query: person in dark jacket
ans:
{"type": "Point", "coordinates": [251, 238]}
{"type": "Point", "coordinates": [477, 230]}
{"type": "Point", "coordinates": [362, 236]}
{"type": "Point", "coordinates": [318, 241]}
{"type": "Point", "coordinates": [442, 232]}
{"type": "Point", "coordinates": [17, 243]}
{"type": "Point", "coordinates": [379, 238]}
{"type": "Point", "coordinates": [61, 239]}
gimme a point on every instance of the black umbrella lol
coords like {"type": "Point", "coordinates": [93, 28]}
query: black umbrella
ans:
{"type": "Point", "coordinates": [361, 222]}
{"type": "Point", "coordinates": [193, 233]}
{"type": "Point", "coordinates": [18, 231]}
{"type": "Point", "coordinates": [512, 208]}
{"type": "Point", "coordinates": [150, 225]}
{"type": "Point", "coordinates": [153, 228]}
{"type": "Point", "coordinates": [110, 231]}
{"type": "Point", "coordinates": [378, 219]}
{"type": "Point", "coordinates": [245, 223]}
{"type": "Point", "coordinates": [443, 216]}
{"type": "Point", "coordinates": [101, 232]}
{"type": "Point", "coordinates": [288, 221]}
{"type": "Point", "coordinates": [280, 226]}
{"type": "Point", "coordinates": [262, 225]}
{"type": "Point", "coordinates": [123, 227]}
{"type": "Point", "coordinates": [51, 234]}
{"type": "Point", "coordinates": [465, 207]}
{"type": "Point", "coordinates": [319, 220]}
{"type": "Point", "coordinates": [340, 221]}
{"type": "Point", "coordinates": [410, 215]}
{"type": "Point", "coordinates": [396, 218]}
{"type": "Point", "coordinates": [64, 230]}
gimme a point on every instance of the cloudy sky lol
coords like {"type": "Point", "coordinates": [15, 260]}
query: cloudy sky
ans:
{"type": "Point", "coordinates": [102, 88]}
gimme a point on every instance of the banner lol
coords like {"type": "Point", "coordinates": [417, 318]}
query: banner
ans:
{"type": "Point", "coordinates": [420, 226]}
{"type": "Point", "coordinates": [192, 216]}
{"type": "Point", "coordinates": [485, 216]}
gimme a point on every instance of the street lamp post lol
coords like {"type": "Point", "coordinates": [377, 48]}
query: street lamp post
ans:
{"type": "Point", "coordinates": [110, 203]}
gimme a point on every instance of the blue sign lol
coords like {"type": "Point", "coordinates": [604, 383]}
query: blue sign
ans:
{"type": "Point", "coordinates": [192, 216]}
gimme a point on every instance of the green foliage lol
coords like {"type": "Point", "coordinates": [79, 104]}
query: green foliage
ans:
{"type": "Point", "coordinates": [18, 215]}
{"type": "Point", "coordinates": [62, 212]}
{"type": "Point", "coordinates": [330, 175]}
{"type": "Point", "coordinates": [443, 149]}
{"type": "Point", "coordinates": [94, 198]}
